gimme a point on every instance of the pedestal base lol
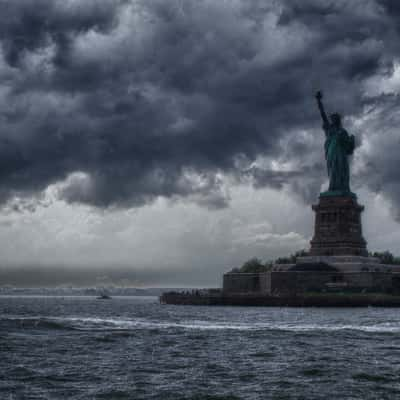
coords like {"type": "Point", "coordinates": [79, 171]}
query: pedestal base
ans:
{"type": "Point", "coordinates": [338, 228]}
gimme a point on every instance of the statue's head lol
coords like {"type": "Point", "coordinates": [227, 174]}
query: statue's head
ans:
{"type": "Point", "coordinates": [336, 119]}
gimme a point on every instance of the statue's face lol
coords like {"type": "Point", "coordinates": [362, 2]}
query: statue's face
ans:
{"type": "Point", "coordinates": [335, 118]}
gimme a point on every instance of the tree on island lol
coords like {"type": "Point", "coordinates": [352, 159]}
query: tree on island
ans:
{"type": "Point", "coordinates": [386, 257]}
{"type": "Point", "coordinates": [255, 265]}
{"type": "Point", "coordinates": [292, 258]}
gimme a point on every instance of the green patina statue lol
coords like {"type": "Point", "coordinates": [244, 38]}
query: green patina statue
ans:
{"type": "Point", "coordinates": [339, 145]}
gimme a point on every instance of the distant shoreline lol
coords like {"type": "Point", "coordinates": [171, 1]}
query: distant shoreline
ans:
{"type": "Point", "coordinates": [89, 292]}
{"type": "Point", "coordinates": [72, 295]}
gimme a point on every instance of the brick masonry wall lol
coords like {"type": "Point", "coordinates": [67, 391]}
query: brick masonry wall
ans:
{"type": "Point", "coordinates": [298, 282]}
{"type": "Point", "coordinates": [241, 283]}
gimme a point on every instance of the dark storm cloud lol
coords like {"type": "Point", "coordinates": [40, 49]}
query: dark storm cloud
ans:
{"type": "Point", "coordinates": [124, 101]}
{"type": "Point", "coordinates": [28, 25]}
{"type": "Point", "coordinates": [380, 171]}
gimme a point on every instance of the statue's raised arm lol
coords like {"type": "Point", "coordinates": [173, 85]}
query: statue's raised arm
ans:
{"type": "Point", "coordinates": [318, 96]}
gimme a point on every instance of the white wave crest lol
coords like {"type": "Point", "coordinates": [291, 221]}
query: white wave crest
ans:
{"type": "Point", "coordinates": [91, 323]}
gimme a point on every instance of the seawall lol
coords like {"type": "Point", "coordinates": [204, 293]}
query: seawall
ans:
{"type": "Point", "coordinates": [303, 300]}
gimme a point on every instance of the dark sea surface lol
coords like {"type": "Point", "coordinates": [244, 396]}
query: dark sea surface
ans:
{"type": "Point", "coordinates": [135, 348]}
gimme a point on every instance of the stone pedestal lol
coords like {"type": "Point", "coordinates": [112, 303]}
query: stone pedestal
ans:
{"type": "Point", "coordinates": [338, 228]}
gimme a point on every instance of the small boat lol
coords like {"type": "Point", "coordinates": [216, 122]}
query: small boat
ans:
{"type": "Point", "coordinates": [103, 297]}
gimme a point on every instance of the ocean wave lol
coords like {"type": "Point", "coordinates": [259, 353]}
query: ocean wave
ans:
{"type": "Point", "coordinates": [116, 324]}
{"type": "Point", "coordinates": [35, 323]}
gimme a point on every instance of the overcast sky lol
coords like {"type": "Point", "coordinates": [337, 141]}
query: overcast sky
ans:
{"type": "Point", "coordinates": [163, 142]}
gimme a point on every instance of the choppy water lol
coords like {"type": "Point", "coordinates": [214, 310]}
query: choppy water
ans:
{"type": "Point", "coordinates": [134, 348]}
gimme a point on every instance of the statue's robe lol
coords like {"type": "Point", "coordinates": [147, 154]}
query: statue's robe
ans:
{"type": "Point", "coordinates": [339, 145]}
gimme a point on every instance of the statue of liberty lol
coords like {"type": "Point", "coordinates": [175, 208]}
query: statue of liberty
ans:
{"type": "Point", "coordinates": [339, 145]}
